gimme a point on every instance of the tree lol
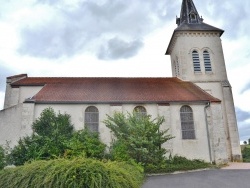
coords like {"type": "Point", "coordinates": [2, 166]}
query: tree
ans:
{"type": "Point", "coordinates": [53, 137]}
{"type": "Point", "coordinates": [51, 131]}
{"type": "Point", "coordinates": [245, 142]}
{"type": "Point", "coordinates": [138, 138]}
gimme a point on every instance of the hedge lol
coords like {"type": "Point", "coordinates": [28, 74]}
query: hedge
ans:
{"type": "Point", "coordinates": [78, 172]}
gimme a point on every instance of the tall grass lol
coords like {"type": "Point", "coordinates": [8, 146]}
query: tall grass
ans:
{"type": "Point", "coordinates": [74, 173]}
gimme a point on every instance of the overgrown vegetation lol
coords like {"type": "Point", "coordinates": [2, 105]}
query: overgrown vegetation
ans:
{"type": "Point", "coordinates": [2, 157]}
{"type": "Point", "coordinates": [55, 137]}
{"type": "Point", "coordinates": [77, 172]}
{"type": "Point", "coordinates": [246, 154]}
{"type": "Point", "coordinates": [138, 138]}
{"type": "Point", "coordinates": [177, 163]}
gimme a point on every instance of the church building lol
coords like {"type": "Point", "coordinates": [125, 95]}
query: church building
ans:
{"type": "Point", "coordinates": [197, 102]}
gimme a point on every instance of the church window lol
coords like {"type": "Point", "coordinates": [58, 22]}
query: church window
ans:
{"type": "Point", "coordinates": [92, 118]}
{"type": "Point", "coordinates": [196, 61]}
{"type": "Point", "coordinates": [207, 61]}
{"type": "Point", "coordinates": [140, 111]}
{"type": "Point", "coordinates": [187, 122]}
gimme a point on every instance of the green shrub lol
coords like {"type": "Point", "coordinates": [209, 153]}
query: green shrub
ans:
{"type": "Point", "coordinates": [2, 158]}
{"type": "Point", "coordinates": [246, 154]}
{"type": "Point", "coordinates": [138, 138]}
{"type": "Point", "coordinates": [48, 141]}
{"type": "Point", "coordinates": [85, 143]}
{"type": "Point", "coordinates": [177, 163]}
{"type": "Point", "coordinates": [54, 137]}
{"type": "Point", "coordinates": [80, 172]}
{"type": "Point", "coordinates": [119, 151]}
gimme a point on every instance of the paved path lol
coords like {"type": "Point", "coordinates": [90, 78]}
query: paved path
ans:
{"type": "Point", "coordinates": [238, 166]}
{"type": "Point", "coordinates": [236, 175]}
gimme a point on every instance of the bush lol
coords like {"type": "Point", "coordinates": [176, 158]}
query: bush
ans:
{"type": "Point", "coordinates": [75, 173]}
{"type": "Point", "coordinates": [246, 154]}
{"type": "Point", "coordinates": [177, 163]}
{"type": "Point", "coordinates": [138, 138]}
{"type": "Point", "coordinates": [48, 141]}
{"type": "Point", "coordinates": [2, 158]}
{"type": "Point", "coordinates": [85, 143]}
{"type": "Point", "coordinates": [54, 137]}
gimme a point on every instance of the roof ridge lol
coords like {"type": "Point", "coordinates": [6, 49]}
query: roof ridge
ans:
{"type": "Point", "coordinates": [65, 77]}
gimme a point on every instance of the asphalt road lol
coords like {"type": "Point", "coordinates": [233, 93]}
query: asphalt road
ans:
{"type": "Point", "coordinates": [201, 179]}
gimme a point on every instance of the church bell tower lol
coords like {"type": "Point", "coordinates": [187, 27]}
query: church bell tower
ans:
{"type": "Point", "coordinates": [197, 56]}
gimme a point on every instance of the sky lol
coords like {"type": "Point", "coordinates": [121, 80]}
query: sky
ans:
{"type": "Point", "coordinates": [116, 38]}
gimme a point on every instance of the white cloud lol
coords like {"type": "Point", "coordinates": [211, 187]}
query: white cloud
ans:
{"type": "Point", "coordinates": [1, 100]}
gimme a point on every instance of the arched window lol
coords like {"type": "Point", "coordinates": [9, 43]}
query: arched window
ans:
{"type": "Point", "coordinates": [91, 119]}
{"type": "Point", "coordinates": [193, 18]}
{"type": "Point", "coordinates": [196, 61]}
{"type": "Point", "coordinates": [187, 122]}
{"type": "Point", "coordinates": [207, 61]}
{"type": "Point", "coordinates": [140, 111]}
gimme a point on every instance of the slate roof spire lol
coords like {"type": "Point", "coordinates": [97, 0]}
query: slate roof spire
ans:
{"type": "Point", "coordinates": [190, 21]}
{"type": "Point", "coordinates": [189, 13]}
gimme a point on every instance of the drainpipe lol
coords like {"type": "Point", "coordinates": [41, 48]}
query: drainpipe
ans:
{"type": "Point", "coordinates": [208, 136]}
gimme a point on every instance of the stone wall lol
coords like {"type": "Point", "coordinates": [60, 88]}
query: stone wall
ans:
{"type": "Point", "coordinates": [218, 134]}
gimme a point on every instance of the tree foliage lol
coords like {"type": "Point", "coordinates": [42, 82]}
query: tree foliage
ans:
{"type": "Point", "coordinates": [246, 154]}
{"type": "Point", "coordinates": [2, 158]}
{"type": "Point", "coordinates": [54, 136]}
{"type": "Point", "coordinates": [137, 137]}
{"type": "Point", "coordinates": [85, 143]}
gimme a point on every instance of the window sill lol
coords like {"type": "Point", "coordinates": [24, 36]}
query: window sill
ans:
{"type": "Point", "coordinates": [197, 72]}
{"type": "Point", "coordinates": [209, 72]}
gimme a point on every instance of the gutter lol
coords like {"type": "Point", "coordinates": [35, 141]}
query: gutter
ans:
{"type": "Point", "coordinates": [208, 136]}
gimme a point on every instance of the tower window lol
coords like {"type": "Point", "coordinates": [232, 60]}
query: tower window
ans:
{"type": "Point", "coordinates": [207, 61]}
{"type": "Point", "coordinates": [92, 118]}
{"type": "Point", "coordinates": [193, 18]}
{"type": "Point", "coordinates": [187, 122]}
{"type": "Point", "coordinates": [196, 61]}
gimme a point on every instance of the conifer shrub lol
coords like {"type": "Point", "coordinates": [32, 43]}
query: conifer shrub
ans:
{"type": "Point", "coordinates": [78, 172]}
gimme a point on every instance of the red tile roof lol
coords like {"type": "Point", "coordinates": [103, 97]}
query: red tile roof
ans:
{"type": "Point", "coordinates": [114, 90]}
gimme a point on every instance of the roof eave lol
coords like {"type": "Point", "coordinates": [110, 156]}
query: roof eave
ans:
{"type": "Point", "coordinates": [120, 102]}
{"type": "Point", "coordinates": [168, 51]}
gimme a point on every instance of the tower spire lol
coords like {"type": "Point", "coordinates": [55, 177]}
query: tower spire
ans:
{"type": "Point", "coordinates": [189, 13]}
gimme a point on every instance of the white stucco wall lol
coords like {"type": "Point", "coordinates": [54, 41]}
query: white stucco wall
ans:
{"type": "Point", "coordinates": [218, 134]}
{"type": "Point", "coordinates": [15, 122]}
{"type": "Point", "coordinates": [192, 149]}
{"type": "Point", "coordinates": [185, 43]}
{"type": "Point", "coordinates": [26, 92]}
{"type": "Point", "coordinates": [11, 97]}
